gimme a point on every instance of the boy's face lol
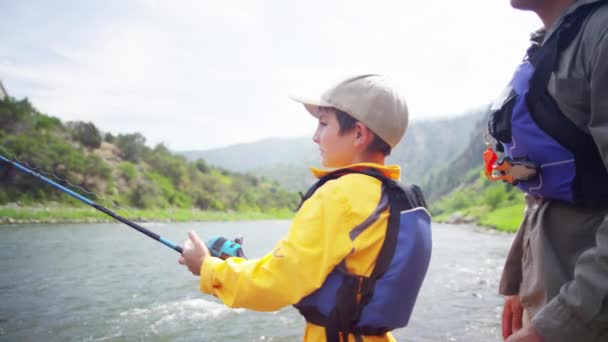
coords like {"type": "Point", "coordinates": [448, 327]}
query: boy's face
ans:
{"type": "Point", "coordinates": [337, 149]}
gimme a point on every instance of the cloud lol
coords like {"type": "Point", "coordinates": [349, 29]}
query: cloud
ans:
{"type": "Point", "coordinates": [200, 74]}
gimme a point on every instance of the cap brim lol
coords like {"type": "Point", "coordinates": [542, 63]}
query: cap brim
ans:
{"type": "Point", "coordinates": [311, 104]}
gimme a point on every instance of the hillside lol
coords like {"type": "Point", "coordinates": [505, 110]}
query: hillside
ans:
{"type": "Point", "coordinates": [443, 156]}
{"type": "Point", "coordinates": [434, 145]}
{"type": "Point", "coordinates": [122, 171]}
{"type": "Point", "coordinates": [119, 169]}
{"type": "Point", "coordinates": [460, 191]}
{"type": "Point", "coordinates": [463, 168]}
{"type": "Point", "coordinates": [258, 155]}
{"type": "Point", "coordinates": [427, 146]}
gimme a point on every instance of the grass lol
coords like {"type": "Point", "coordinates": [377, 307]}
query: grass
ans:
{"type": "Point", "coordinates": [474, 211]}
{"type": "Point", "coordinates": [505, 219]}
{"type": "Point", "coordinates": [52, 214]}
{"type": "Point", "coordinates": [442, 217]}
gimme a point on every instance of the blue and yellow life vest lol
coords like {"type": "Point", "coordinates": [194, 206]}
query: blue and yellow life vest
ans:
{"type": "Point", "coordinates": [374, 305]}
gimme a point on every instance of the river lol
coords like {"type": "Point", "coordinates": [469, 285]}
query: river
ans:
{"type": "Point", "coordinates": [107, 282]}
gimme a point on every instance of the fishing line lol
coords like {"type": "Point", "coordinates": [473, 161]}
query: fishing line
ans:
{"type": "Point", "coordinates": [42, 176]}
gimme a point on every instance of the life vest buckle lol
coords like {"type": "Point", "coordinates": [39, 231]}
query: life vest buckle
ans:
{"type": "Point", "coordinates": [508, 170]}
{"type": "Point", "coordinates": [514, 171]}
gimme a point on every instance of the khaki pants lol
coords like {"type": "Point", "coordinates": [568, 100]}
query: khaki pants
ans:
{"type": "Point", "coordinates": [553, 238]}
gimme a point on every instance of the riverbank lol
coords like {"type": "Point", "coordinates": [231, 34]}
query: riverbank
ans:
{"type": "Point", "coordinates": [13, 213]}
{"type": "Point", "coordinates": [505, 219]}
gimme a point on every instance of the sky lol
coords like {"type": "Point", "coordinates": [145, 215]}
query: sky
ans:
{"type": "Point", "coordinates": [204, 74]}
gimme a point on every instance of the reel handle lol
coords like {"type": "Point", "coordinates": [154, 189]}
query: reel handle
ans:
{"type": "Point", "coordinates": [223, 248]}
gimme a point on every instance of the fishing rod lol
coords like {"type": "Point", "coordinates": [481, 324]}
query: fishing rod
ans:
{"type": "Point", "coordinates": [95, 205]}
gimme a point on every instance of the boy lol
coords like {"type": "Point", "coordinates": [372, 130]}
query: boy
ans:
{"type": "Point", "coordinates": [339, 263]}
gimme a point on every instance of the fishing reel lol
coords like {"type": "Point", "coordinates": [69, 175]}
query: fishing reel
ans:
{"type": "Point", "coordinates": [223, 248]}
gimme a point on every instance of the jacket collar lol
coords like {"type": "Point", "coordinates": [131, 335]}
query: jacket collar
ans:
{"type": "Point", "coordinates": [540, 36]}
{"type": "Point", "coordinates": [390, 171]}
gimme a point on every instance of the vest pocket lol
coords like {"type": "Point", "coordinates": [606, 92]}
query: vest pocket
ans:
{"type": "Point", "coordinates": [499, 125]}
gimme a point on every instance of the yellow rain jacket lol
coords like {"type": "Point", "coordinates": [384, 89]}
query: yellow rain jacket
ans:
{"type": "Point", "coordinates": [317, 241]}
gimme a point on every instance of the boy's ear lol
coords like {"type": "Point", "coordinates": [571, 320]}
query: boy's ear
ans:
{"type": "Point", "coordinates": [363, 135]}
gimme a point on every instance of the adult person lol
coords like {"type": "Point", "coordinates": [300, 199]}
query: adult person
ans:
{"type": "Point", "coordinates": [358, 248]}
{"type": "Point", "coordinates": [552, 123]}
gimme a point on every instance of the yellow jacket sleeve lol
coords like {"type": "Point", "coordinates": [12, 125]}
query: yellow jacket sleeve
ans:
{"type": "Point", "coordinates": [317, 241]}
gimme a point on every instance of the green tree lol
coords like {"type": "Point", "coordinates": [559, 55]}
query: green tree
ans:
{"type": "Point", "coordinates": [95, 168]}
{"type": "Point", "coordinates": [202, 166]}
{"type": "Point", "coordinates": [44, 122]}
{"type": "Point", "coordinates": [172, 166]}
{"type": "Point", "coordinates": [85, 133]}
{"type": "Point", "coordinates": [133, 146]}
{"type": "Point", "coordinates": [17, 116]}
{"type": "Point", "coordinates": [109, 138]}
{"type": "Point", "coordinates": [128, 171]}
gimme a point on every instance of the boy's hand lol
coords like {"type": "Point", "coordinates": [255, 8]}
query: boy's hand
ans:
{"type": "Point", "coordinates": [194, 253]}
{"type": "Point", "coordinates": [512, 314]}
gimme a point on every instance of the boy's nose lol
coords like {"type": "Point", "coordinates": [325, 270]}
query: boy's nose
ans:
{"type": "Point", "coordinates": [315, 137]}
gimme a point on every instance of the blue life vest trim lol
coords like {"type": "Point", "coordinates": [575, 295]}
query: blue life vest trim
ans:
{"type": "Point", "coordinates": [530, 142]}
{"type": "Point", "coordinates": [396, 292]}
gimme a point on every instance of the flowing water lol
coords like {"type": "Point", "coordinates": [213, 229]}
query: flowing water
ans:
{"type": "Point", "coordinates": [107, 282]}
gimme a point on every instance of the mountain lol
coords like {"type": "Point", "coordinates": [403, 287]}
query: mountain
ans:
{"type": "Point", "coordinates": [119, 169]}
{"type": "Point", "coordinates": [428, 147]}
{"type": "Point", "coordinates": [461, 192]}
{"type": "Point", "coordinates": [259, 155]}
{"type": "Point", "coordinates": [431, 146]}
{"type": "Point", "coordinates": [464, 168]}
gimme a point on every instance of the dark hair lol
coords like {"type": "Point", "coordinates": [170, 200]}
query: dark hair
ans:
{"type": "Point", "coordinates": [347, 123]}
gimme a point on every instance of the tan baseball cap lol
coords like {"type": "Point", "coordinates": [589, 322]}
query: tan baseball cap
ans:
{"type": "Point", "coordinates": [368, 98]}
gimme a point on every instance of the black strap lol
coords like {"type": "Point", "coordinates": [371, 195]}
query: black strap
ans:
{"type": "Point", "coordinates": [545, 58]}
{"type": "Point", "coordinates": [591, 184]}
{"type": "Point", "coordinates": [545, 61]}
{"type": "Point", "coordinates": [218, 243]}
{"type": "Point", "coordinates": [330, 176]}
{"type": "Point", "coordinates": [417, 198]}
{"type": "Point", "coordinates": [341, 317]}
{"type": "Point", "coordinates": [399, 201]}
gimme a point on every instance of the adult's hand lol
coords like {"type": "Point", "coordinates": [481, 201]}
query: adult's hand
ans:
{"type": "Point", "coordinates": [194, 253]}
{"type": "Point", "coordinates": [512, 313]}
{"type": "Point", "coordinates": [527, 334]}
